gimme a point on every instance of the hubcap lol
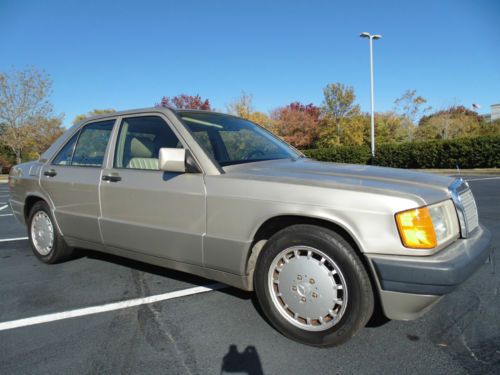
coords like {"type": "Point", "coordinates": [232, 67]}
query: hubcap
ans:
{"type": "Point", "coordinates": [42, 233]}
{"type": "Point", "coordinates": [307, 288]}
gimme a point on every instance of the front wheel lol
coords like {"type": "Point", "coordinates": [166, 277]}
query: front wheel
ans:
{"type": "Point", "coordinates": [312, 286]}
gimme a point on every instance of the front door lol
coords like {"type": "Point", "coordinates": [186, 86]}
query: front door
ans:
{"type": "Point", "coordinates": [147, 210]}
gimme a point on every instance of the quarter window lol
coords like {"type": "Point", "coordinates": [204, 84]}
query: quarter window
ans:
{"type": "Point", "coordinates": [140, 140]}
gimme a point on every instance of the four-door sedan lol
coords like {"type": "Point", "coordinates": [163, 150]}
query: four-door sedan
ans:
{"type": "Point", "coordinates": [220, 197]}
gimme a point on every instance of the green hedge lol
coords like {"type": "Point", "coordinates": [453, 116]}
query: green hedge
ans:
{"type": "Point", "coordinates": [481, 152]}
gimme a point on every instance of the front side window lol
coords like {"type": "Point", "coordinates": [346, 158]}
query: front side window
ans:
{"type": "Point", "coordinates": [232, 140]}
{"type": "Point", "coordinates": [140, 140]}
{"type": "Point", "coordinates": [89, 151]}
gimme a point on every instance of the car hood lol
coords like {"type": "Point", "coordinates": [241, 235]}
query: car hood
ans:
{"type": "Point", "coordinates": [429, 188]}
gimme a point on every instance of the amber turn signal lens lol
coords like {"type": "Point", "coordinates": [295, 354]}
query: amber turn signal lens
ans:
{"type": "Point", "coordinates": [416, 228]}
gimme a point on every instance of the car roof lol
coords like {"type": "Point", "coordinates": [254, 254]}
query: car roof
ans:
{"type": "Point", "coordinates": [146, 110]}
{"type": "Point", "coordinates": [126, 112]}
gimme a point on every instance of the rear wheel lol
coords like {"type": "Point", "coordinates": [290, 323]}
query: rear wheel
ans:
{"type": "Point", "coordinates": [312, 286]}
{"type": "Point", "coordinates": [46, 242]}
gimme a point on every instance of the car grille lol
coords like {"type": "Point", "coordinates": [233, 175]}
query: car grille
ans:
{"type": "Point", "coordinates": [470, 210]}
{"type": "Point", "coordinates": [465, 205]}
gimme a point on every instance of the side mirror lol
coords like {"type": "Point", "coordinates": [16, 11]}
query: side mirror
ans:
{"type": "Point", "coordinates": [172, 160]}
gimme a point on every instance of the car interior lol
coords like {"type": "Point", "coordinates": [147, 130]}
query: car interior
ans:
{"type": "Point", "coordinates": [140, 140]}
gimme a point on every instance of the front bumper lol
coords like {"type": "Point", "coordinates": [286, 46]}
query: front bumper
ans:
{"type": "Point", "coordinates": [425, 279]}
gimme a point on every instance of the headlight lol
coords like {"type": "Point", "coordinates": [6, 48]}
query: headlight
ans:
{"type": "Point", "coordinates": [428, 227]}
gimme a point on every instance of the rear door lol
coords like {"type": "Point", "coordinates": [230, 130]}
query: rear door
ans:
{"type": "Point", "coordinates": [72, 179]}
{"type": "Point", "coordinates": [144, 209]}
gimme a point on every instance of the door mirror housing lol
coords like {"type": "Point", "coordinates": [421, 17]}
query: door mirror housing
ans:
{"type": "Point", "coordinates": [172, 160]}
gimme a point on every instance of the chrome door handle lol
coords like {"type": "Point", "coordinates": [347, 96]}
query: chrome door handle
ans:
{"type": "Point", "coordinates": [111, 178]}
{"type": "Point", "coordinates": [50, 173]}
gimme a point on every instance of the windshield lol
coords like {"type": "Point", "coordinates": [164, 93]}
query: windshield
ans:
{"type": "Point", "coordinates": [232, 140]}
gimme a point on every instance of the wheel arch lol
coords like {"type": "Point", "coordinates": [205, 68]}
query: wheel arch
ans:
{"type": "Point", "coordinates": [29, 202]}
{"type": "Point", "coordinates": [277, 223]}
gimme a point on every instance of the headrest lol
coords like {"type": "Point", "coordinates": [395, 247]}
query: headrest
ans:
{"type": "Point", "coordinates": [141, 148]}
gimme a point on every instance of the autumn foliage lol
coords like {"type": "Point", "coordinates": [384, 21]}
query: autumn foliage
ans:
{"type": "Point", "coordinates": [184, 101]}
{"type": "Point", "coordinates": [243, 107]}
{"type": "Point", "coordinates": [310, 109]}
{"type": "Point", "coordinates": [339, 121]}
{"type": "Point", "coordinates": [28, 124]}
{"type": "Point", "coordinates": [297, 124]}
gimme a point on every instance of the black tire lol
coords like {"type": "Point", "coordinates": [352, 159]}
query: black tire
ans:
{"type": "Point", "coordinates": [60, 251]}
{"type": "Point", "coordinates": [360, 303]}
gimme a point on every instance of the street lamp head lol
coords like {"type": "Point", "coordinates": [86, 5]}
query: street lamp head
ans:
{"type": "Point", "coordinates": [364, 35]}
{"type": "Point", "coordinates": [377, 36]}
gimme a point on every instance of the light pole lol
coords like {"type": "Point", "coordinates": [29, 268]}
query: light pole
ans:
{"type": "Point", "coordinates": [372, 130]}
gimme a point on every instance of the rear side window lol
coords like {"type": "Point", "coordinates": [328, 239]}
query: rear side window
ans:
{"type": "Point", "coordinates": [91, 143]}
{"type": "Point", "coordinates": [65, 155]}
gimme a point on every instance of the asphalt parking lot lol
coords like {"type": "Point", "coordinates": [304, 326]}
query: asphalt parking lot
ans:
{"type": "Point", "coordinates": [220, 331]}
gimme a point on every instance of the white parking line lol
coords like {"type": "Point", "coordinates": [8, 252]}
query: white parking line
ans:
{"type": "Point", "coordinates": [13, 239]}
{"type": "Point", "coordinates": [484, 178]}
{"type": "Point", "coordinates": [6, 215]}
{"type": "Point", "coordinates": [3, 207]}
{"type": "Point", "coordinates": [107, 307]}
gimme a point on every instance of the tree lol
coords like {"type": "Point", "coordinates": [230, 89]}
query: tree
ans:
{"type": "Point", "coordinates": [339, 101]}
{"type": "Point", "coordinates": [243, 107]}
{"type": "Point", "coordinates": [7, 158]}
{"type": "Point", "coordinates": [262, 119]}
{"type": "Point", "coordinates": [184, 101]}
{"type": "Point", "coordinates": [23, 103]}
{"type": "Point", "coordinates": [355, 130]}
{"type": "Point", "coordinates": [47, 131]}
{"type": "Point", "coordinates": [411, 107]}
{"type": "Point", "coordinates": [310, 109]}
{"type": "Point", "coordinates": [94, 112]}
{"type": "Point", "coordinates": [338, 107]}
{"type": "Point", "coordinates": [454, 122]}
{"type": "Point", "coordinates": [297, 124]}
{"type": "Point", "coordinates": [389, 128]}
{"type": "Point", "coordinates": [489, 127]}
